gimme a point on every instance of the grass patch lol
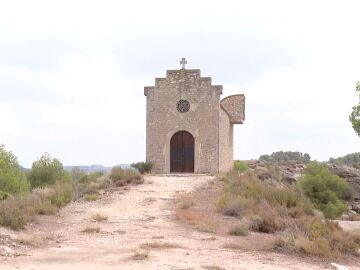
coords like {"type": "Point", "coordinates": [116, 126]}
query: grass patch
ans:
{"type": "Point", "coordinates": [98, 217]}
{"type": "Point", "coordinates": [239, 230]}
{"type": "Point", "coordinates": [30, 240]}
{"type": "Point", "coordinates": [185, 202]}
{"type": "Point", "coordinates": [212, 267]}
{"type": "Point", "coordinates": [17, 211]}
{"type": "Point", "coordinates": [286, 211]}
{"type": "Point", "coordinates": [91, 197]}
{"type": "Point", "coordinates": [195, 218]}
{"type": "Point", "coordinates": [91, 229]}
{"type": "Point", "coordinates": [140, 255]}
{"type": "Point", "coordinates": [159, 245]}
{"type": "Point", "coordinates": [232, 246]}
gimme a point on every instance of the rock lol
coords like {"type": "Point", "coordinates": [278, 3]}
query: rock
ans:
{"type": "Point", "coordinates": [7, 252]}
{"type": "Point", "coordinates": [355, 207]}
{"type": "Point", "coordinates": [289, 178]}
{"type": "Point", "coordinates": [352, 176]}
{"type": "Point", "coordinates": [340, 267]}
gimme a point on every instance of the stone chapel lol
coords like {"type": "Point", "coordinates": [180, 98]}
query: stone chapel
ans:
{"type": "Point", "coordinates": [188, 128]}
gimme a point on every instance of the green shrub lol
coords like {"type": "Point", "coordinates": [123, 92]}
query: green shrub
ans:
{"type": "Point", "coordinates": [47, 171]}
{"type": "Point", "coordinates": [12, 178]}
{"type": "Point", "coordinates": [122, 177]}
{"type": "Point", "coordinates": [142, 167]}
{"type": "Point", "coordinates": [324, 189]}
{"type": "Point", "coordinates": [87, 183]}
{"type": "Point", "coordinates": [240, 166]}
{"type": "Point", "coordinates": [285, 210]}
{"type": "Point", "coordinates": [63, 194]}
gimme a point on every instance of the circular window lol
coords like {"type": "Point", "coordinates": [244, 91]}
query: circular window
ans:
{"type": "Point", "coordinates": [183, 105]}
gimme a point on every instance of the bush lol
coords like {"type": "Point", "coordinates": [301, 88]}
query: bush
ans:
{"type": "Point", "coordinates": [239, 230]}
{"type": "Point", "coordinates": [240, 166]}
{"type": "Point", "coordinates": [87, 183]}
{"type": "Point", "coordinates": [12, 178]}
{"type": "Point", "coordinates": [122, 177]}
{"type": "Point", "coordinates": [324, 189]}
{"type": "Point", "coordinates": [91, 197]}
{"type": "Point", "coordinates": [47, 171]}
{"type": "Point", "coordinates": [246, 194]}
{"type": "Point", "coordinates": [18, 210]}
{"type": "Point", "coordinates": [286, 211]}
{"type": "Point", "coordinates": [142, 167]}
{"type": "Point", "coordinates": [314, 236]}
{"type": "Point", "coordinates": [185, 202]}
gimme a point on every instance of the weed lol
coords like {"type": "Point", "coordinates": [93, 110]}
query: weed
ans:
{"type": "Point", "coordinates": [30, 240]}
{"type": "Point", "coordinates": [196, 219]}
{"type": "Point", "coordinates": [239, 230]}
{"type": "Point", "coordinates": [91, 197]}
{"type": "Point", "coordinates": [140, 255]}
{"type": "Point", "coordinates": [91, 229]}
{"type": "Point", "coordinates": [212, 267]}
{"type": "Point", "coordinates": [99, 217]}
{"type": "Point", "coordinates": [185, 202]}
{"type": "Point", "coordinates": [159, 245]}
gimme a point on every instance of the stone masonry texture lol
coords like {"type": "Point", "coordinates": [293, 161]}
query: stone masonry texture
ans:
{"type": "Point", "coordinates": [209, 122]}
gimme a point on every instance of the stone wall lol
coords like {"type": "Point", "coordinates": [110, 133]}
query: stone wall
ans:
{"type": "Point", "coordinates": [202, 120]}
{"type": "Point", "coordinates": [226, 155]}
{"type": "Point", "coordinates": [235, 107]}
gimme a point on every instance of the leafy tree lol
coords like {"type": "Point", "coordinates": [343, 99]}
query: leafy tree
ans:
{"type": "Point", "coordinates": [324, 189]}
{"type": "Point", "coordinates": [284, 156]}
{"type": "Point", "coordinates": [355, 114]}
{"type": "Point", "coordinates": [46, 171]}
{"type": "Point", "coordinates": [240, 166]}
{"type": "Point", "coordinates": [352, 159]}
{"type": "Point", "coordinates": [12, 178]}
{"type": "Point", "coordinates": [143, 167]}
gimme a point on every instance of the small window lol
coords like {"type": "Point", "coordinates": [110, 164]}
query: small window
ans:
{"type": "Point", "coordinates": [183, 106]}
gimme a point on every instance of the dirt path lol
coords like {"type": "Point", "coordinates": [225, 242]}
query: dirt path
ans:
{"type": "Point", "coordinates": [141, 215]}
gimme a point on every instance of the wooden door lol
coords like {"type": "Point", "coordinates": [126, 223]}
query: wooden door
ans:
{"type": "Point", "coordinates": [182, 152]}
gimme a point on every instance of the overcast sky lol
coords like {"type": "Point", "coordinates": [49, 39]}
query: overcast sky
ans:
{"type": "Point", "coordinates": [72, 73]}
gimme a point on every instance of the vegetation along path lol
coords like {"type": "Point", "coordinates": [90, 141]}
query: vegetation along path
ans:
{"type": "Point", "coordinates": [136, 228]}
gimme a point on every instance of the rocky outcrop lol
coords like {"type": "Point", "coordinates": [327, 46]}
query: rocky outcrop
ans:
{"type": "Point", "coordinates": [352, 176]}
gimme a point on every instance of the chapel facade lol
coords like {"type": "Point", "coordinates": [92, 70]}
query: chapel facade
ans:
{"type": "Point", "coordinates": [188, 128]}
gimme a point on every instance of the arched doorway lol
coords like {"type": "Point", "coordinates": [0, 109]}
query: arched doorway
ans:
{"type": "Point", "coordinates": [182, 152]}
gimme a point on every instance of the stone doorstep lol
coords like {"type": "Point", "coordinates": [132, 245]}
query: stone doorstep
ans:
{"type": "Point", "coordinates": [182, 175]}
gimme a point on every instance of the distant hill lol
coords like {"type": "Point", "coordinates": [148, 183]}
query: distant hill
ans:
{"type": "Point", "coordinates": [94, 168]}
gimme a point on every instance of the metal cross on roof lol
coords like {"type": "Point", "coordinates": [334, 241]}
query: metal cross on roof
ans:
{"type": "Point", "coordinates": [183, 62]}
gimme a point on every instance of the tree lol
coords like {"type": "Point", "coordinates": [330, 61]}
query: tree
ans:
{"type": "Point", "coordinates": [46, 171]}
{"type": "Point", "coordinates": [355, 114]}
{"type": "Point", "coordinates": [324, 189]}
{"type": "Point", "coordinates": [284, 156]}
{"type": "Point", "coordinates": [12, 178]}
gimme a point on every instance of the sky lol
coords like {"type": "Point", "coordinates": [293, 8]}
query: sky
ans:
{"type": "Point", "coordinates": [72, 73]}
